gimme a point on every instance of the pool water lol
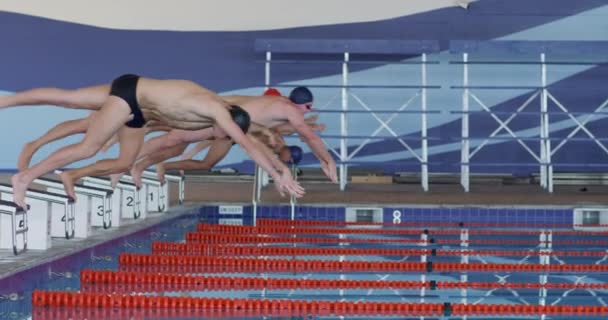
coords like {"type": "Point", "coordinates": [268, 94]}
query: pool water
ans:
{"type": "Point", "coordinates": [192, 267]}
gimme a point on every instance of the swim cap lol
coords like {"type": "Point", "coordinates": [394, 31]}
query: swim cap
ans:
{"type": "Point", "coordinates": [300, 95]}
{"type": "Point", "coordinates": [296, 154]}
{"type": "Point", "coordinates": [272, 92]}
{"type": "Point", "coordinates": [240, 117]}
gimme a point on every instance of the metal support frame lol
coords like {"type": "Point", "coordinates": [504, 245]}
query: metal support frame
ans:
{"type": "Point", "coordinates": [70, 219]}
{"type": "Point", "coordinates": [19, 230]}
{"type": "Point", "coordinates": [292, 199]}
{"type": "Point", "coordinates": [466, 154]}
{"type": "Point", "coordinates": [345, 157]}
{"type": "Point", "coordinates": [547, 183]}
{"type": "Point", "coordinates": [542, 155]}
{"type": "Point", "coordinates": [345, 48]}
{"type": "Point", "coordinates": [258, 179]}
{"type": "Point", "coordinates": [255, 196]}
{"type": "Point", "coordinates": [580, 125]}
{"type": "Point", "coordinates": [162, 198]}
{"type": "Point", "coordinates": [384, 124]}
{"type": "Point", "coordinates": [545, 150]}
{"type": "Point", "coordinates": [182, 190]}
{"type": "Point", "coordinates": [465, 144]}
{"type": "Point", "coordinates": [423, 130]}
{"type": "Point", "coordinates": [344, 125]}
{"type": "Point", "coordinates": [544, 124]}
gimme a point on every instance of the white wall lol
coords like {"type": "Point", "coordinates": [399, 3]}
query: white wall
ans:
{"type": "Point", "coordinates": [224, 15]}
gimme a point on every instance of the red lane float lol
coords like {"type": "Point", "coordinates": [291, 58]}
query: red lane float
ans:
{"type": "Point", "coordinates": [263, 306]}
{"type": "Point", "coordinates": [116, 281]}
{"type": "Point", "coordinates": [298, 223]}
{"type": "Point", "coordinates": [229, 229]}
{"type": "Point", "coordinates": [222, 250]}
{"type": "Point", "coordinates": [217, 238]}
{"type": "Point", "coordinates": [208, 263]}
{"type": "Point", "coordinates": [302, 307]}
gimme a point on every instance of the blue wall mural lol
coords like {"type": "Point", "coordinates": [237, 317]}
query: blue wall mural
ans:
{"type": "Point", "coordinates": [41, 50]}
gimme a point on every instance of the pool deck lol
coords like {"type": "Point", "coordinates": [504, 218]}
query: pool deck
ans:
{"type": "Point", "coordinates": [238, 189]}
{"type": "Point", "coordinates": [199, 190]}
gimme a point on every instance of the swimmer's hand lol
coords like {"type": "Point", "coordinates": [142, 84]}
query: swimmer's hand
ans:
{"type": "Point", "coordinates": [318, 127]}
{"type": "Point", "coordinates": [311, 119]}
{"type": "Point", "coordinates": [285, 183]}
{"type": "Point", "coordinates": [329, 168]}
{"type": "Point", "coordinates": [312, 123]}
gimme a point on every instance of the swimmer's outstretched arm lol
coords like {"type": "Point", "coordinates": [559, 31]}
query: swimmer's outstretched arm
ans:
{"type": "Point", "coordinates": [219, 148]}
{"type": "Point", "coordinates": [217, 151]}
{"type": "Point", "coordinates": [172, 138]}
{"type": "Point", "coordinates": [275, 143]}
{"type": "Point", "coordinates": [287, 128]}
{"type": "Point", "coordinates": [282, 182]}
{"type": "Point", "coordinates": [278, 164]}
{"type": "Point", "coordinates": [196, 149]}
{"type": "Point", "coordinates": [328, 165]}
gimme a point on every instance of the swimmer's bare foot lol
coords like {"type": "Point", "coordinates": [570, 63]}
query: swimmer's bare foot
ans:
{"type": "Point", "coordinates": [19, 189]}
{"type": "Point", "coordinates": [115, 179]}
{"type": "Point", "coordinates": [25, 157]}
{"type": "Point", "coordinates": [160, 173]}
{"type": "Point", "coordinates": [68, 184]}
{"type": "Point", "coordinates": [136, 175]}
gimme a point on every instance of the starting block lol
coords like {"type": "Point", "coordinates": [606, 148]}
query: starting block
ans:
{"type": "Point", "coordinates": [169, 178]}
{"type": "Point", "coordinates": [126, 198]}
{"type": "Point", "coordinates": [17, 219]}
{"type": "Point", "coordinates": [152, 193]}
{"type": "Point", "coordinates": [92, 201]}
{"type": "Point", "coordinates": [45, 206]}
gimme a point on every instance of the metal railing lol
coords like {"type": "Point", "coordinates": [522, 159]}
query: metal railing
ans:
{"type": "Point", "coordinates": [345, 48]}
{"type": "Point", "coordinates": [535, 54]}
{"type": "Point", "coordinates": [515, 51]}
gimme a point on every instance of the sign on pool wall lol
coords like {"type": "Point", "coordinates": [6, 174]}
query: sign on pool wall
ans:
{"type": "Point", "coordinates": [231, 222]}
{"type": "Point", "coordinates": [230, 210]}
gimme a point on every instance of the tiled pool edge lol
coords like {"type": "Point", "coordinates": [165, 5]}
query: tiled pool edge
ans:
{"type": "Point", "coordinates": [100, 241]}
{"type": "Point", "coordinates": [540, 215]}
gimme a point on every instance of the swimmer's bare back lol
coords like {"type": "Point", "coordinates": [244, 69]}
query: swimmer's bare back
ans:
{"type": "Point", "coordinates": [266, 111]}
{"type": "Point", "coordinates": [180, 104]}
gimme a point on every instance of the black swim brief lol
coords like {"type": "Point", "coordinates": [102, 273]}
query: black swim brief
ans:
{"type": "Point", "coordinates": [125, 87]}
